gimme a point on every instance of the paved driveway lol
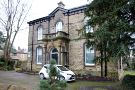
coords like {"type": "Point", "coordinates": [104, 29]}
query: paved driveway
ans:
{"type": "Point", "coordinates": [11, 77]}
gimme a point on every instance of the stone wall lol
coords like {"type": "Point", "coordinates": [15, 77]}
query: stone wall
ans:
{"type": "Point", "coordinates": [75, 23]}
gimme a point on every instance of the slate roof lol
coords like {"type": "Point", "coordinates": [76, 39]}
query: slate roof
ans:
{"type": "Point", "coordinates": [65, 12]}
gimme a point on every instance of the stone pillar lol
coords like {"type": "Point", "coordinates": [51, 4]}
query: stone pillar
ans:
{"type": "Point", "coordinates": [59, 51]}
{"type": "Point", "coordinates": [60, 55]}
{"type": "Point", "coordinates": [67, 50]}
{"type": "Point", "coordinates": [45, 47]}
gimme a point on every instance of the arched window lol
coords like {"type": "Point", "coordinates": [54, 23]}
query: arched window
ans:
{"type": "Point", "coordinates": [39, 33]}
{"type": "Point", "coordinates": [54, 54]}
{"type": "Point", "coordinates": [39, 54]}
{"type": "Point", "coordinates": [88, 28]}
{"type": "Point", "coordinates": [89, 55]}
{"type": "Point", "coordinates": [58, 26]}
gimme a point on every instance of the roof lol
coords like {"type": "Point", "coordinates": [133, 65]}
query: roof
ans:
{"type": "Point", "coordinates": [55, 10]}
{"type": "Point", "coordinates": [52, 14]}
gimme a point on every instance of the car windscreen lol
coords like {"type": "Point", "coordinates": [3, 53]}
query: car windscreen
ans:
{"type": "Point", "coordinates": [62, 68]}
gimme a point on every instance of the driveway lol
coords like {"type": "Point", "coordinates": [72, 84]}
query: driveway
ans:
{"type": "Point", "coordinates": [28, 81]}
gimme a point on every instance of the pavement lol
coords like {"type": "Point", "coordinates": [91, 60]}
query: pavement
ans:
{"type": "Point", "coordinates": [31, 82]}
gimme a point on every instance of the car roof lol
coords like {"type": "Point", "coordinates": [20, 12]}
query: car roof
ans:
{"type": "Point", "coordinates": [49, 65]}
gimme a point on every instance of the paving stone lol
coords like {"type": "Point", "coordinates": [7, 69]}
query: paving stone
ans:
{"type": "Point", "coordinates": [4, 87]}
{"type": "Point", "coordinates": [15, 87]}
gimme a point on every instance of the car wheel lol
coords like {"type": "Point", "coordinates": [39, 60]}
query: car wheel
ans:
{"type": "Point", "coordinates": [61, 78]}
{"type": "Point", "coordinates": [42, 76]}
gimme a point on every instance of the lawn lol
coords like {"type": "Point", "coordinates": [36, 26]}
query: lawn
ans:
{"type": "Point", "coordinates": [129, 72]}
{"type": "Point", "coordinates": [77, 84]}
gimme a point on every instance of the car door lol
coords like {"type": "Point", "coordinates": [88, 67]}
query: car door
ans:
{"type": "Point", "coordinates": [46, 72]}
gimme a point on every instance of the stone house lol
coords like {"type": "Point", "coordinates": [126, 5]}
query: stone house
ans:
{"type": "Point", "coordinates": [19, 56]}
{"type": "Point", "coordinates": [57, 36]}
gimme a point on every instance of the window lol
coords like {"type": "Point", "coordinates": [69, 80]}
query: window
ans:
{"type": "Point", "coordinates": [88, 28]}
{"type": "Point", "coordinates": [58, 26]}
{"type": "Point", "coordinates": [39, 31]}
{"type": "Point", "coordinates": [29, 54]}
{"type": "Point", "coordinates": [15, 54]}
{"type": "Point", "coordinates": [54, 54]}
{"type": "Point", "coordinates": [89, 55]}
{"type": "Point", "coordinates": [39, 55]}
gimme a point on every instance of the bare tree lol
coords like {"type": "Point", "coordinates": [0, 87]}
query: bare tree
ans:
{"type": "Point", "coordinates": [13, 15]}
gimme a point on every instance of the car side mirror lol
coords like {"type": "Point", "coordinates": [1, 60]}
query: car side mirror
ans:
{"type": "Point", "coordinates": [67, 66]}
{"type": "Point", "coordinates": [45, 67]}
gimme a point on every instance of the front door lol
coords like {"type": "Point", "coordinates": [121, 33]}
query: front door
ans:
{"type": "Point", "coordinates": [54, 55]}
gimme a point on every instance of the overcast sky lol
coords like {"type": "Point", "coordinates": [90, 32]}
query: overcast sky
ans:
{"type": "Point", "coordinates": [41, 8]}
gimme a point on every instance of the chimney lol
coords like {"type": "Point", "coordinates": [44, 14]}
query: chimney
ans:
{"type": "Point", "coordinates": [61, 5]}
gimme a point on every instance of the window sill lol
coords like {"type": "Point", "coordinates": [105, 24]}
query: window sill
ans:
{"type": "Point", "coordinates": [89, 65]}
{"type": "Point", "coordinates": [39, 63]}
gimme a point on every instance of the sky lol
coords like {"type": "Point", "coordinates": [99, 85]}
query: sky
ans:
{"type": "Point", "coordinates": [41, 8]}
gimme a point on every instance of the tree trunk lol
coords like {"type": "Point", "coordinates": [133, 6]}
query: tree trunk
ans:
{"type": "Point", "coordinates": [105, 67]}
{"type": "Point", "coordinates": [105, 62]}
{"type": "Point", "coordinates": [101, 63]}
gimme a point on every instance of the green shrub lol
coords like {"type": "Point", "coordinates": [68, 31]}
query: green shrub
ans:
{"type": "Point", "coordinates": [44, 85]}
{"type": "Point", "coordinates": [113, 75]}
{"type": "Point", "coordinates": [62, 84]}
{"type": "Point", "coordinates": [21, 65]}
{"type": "Point", "coordinates": [18, 64]}
{"type": "Point", "coordinates": [9, 65]}
{"type": "Point", "coordinates": [129, 81]}
{"type": "Point", "coordinates": [18, 69]}
{"type": "Point", "coordinates": [133, 65]}
{"type": "Point", "coordinates": [2, 61]}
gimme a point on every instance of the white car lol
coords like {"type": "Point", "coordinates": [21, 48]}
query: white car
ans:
{"type": "Point", "coordinates": [64, 73]}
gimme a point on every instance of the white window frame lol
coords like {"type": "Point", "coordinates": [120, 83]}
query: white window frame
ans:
{"type": "Point", "coordinates": [91, 51]}
{"type": "Point", "coordinates": [39, 52]}
{"type": "Point", "coordinates": [59, 26]}
{"type": "Point", "coordinates": [39, 33]}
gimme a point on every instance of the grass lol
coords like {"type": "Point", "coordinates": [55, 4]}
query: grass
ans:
{"type": "Point", "coordinates": [129, 72]}
{"type": "Point", "coordinates": [77, 84]}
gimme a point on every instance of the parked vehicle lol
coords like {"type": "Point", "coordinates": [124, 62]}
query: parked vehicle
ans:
{"type": "Point", "coordinates": [64, 73]}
